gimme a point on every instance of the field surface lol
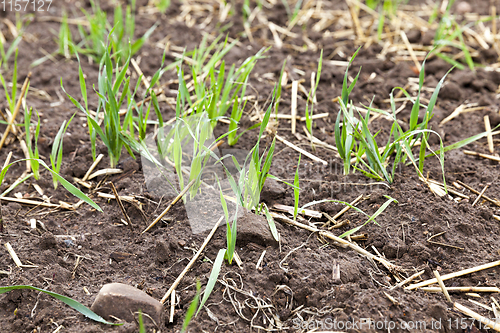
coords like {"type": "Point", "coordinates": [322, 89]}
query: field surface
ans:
{"type": "Point", "coordinates": [308, 281]}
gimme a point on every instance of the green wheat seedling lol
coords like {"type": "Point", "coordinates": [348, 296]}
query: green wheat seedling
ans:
{"type": "Point", "coordinates": [7, 54]}
{"type": "Point", "coordinates": [67, 48]}
{"type": "Point", "coordinates": [32, 147]}
{"type": "Point", "coordinates": [121, 34]}
{"type": "Point", "coordinates": [11, 98]}
{"type": "Point", "coordinates": [207, 56]}
{"type": "Point", "coordinates": [57, 150]}
{"type": "Point", "coordinates": [387, 8]}
{"type": "Point", "coordinates": [344, 134]}
{"type": "Point", "coordinates": [13, 47]}
{"type": "Point", "coordinates": [292, 15]}
{"type": "Point", "coordinates": [67, 185]}
{"type": "Point", "coordinates": [231, 229]}
{"type": "Point", "coordinates": [192, 308]}
{"type": "Point", "coordinates": [189, 143]}
{"type": "Point", "coordinates": [162, 5]}
{"type": "Point", "coordinates": [212, 280]}
{"type": "Point", "coordinates": [114, 92]}
{"type": "Point", "coordinates": [371, 218]}
{"type": "Point", "coordinates": [141, 121]}
{"type": "Point", "coordinates": [216, 91]}
{"type": "Point", "coordinates": [450, 33]}
{"type": "Point", "coordinates": [356, 135]}
{"type": "Point", "coordinates": [296, 191]}
{"type": "Point", "coordinates": [246, 187]}
{"type": "Point", "coordinates": [312, 97]}
{"type": "Point", "coordinates": [219, 90]}
{"type": "Point", "coordinates": [251, 177]}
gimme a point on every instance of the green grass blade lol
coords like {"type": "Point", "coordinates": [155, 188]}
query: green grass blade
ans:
{"type": "Point", "coordinates": [191, 309]}
{"type": "Point", "coordinates": [70, 187]}
{"type": "Point", "coordinates": [296, 190]}
{"type": "Point", "coordinates": [71, 302]}
{"type": "Point", "coordinates": [271, 223]}
{"type": "Point", "coordinates": [214, 274]}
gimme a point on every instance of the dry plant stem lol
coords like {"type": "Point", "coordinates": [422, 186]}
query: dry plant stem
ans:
{"type": "Point", "coordinates": [463, 289]}
{"type": "Point", "coordinates": [289, 116]}
{"type": "Point", "coordinates": [172, 307]}
{"type": "Point", "coordinates": [441, 285]}
{"type": "Point", "coordinates": [410, 50]}
{"type": "Point", "coordinates": [13, 254]}
{"type": "Point", "coordinates": [452, 191]}
{"type": "Point", "coordinates": [261, 258]}
{"type": "Point", "coordinates": [126, 198]}
{"type": "Point", "coordinates": [486, 321]}
{"type": "Point", "coordinates": [496, 308]}
{"type": "Point", "coordinates": [355, 20]}
{"type": "Point", "coordinates": [177, 198]}
{"type": "Point", "coordinates": [481, 305]}
{"type": "Point", "coordinates": [448, 245]}
{"type": "Point", "coordinates": [458, 111]}
{"type": "Point", "coordinates": [92, 167]}
{"type": "Point", "coordinates": [306, 212]}
{"type": "Point", "coordinates": [392, 299]}
{"type": "Point", "coordinates": [495, 202]}
{"type": "Point", "coordinates": [345, 209]}
{"type": "Point", "coordinates": [145, 81]}
{"type": "Point", "coordinates": [295, 86]}
{"type": "Point", "coordinates": [193, 260]}
{"type": "Point", "coordinates": [7, 160]}
{"type": "Point", "coordinates": [487, 126]}
{"type": "Point", "coordinates": [489, 157]}
{"type": "Point", "coordinates": [124, 212]}
{"type": "Point", "coordinates": [31, 202]}
{"type": "Point", "coordinates": [326, 234]}
{"type": "Point", "coordinates": [300, 150]}
{"type": "Point", "coordinates": [105, 172]}
{"type": "Point", "coordinates": [16, 110]}
{"type": "Point", "coordinates": [479, 196]}
{"type": "Point", "coordinates": [453, 275]}
{"type": "Point", "coordinates": [411, 278]}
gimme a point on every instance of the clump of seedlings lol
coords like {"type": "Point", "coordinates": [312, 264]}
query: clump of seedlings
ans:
{"type": "Point", "coordinates": [357, 145]}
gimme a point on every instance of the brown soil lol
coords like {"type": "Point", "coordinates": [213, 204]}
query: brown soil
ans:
{"type": "Point", "coordinates": [298, 286]}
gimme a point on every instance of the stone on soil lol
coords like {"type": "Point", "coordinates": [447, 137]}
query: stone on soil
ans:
{"type": "Point", "coordinates": [255, 229]}
{"type": "Point", "coordinates": [121, 301]}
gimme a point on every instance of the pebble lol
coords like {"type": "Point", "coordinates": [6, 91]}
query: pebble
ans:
{"type": "Point", "coordinates": [122, 300]}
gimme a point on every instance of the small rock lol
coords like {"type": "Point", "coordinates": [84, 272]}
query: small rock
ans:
{"type": "Point", "coordinates": [47, 241]}
{"type": "Point", "coordinates": [182, 243]}
{"type": "Point", "coordinates": [254, 228]}
{"type": "Point", "coordinates": [121, 301]}
{"type": "Point", "coordinates": [162, 251]}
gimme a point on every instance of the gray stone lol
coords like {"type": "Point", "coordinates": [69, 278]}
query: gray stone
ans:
{"type": "Point", "coordinates": [254, 228]}
{"type": "Point", "coordinates": [122, 301]}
